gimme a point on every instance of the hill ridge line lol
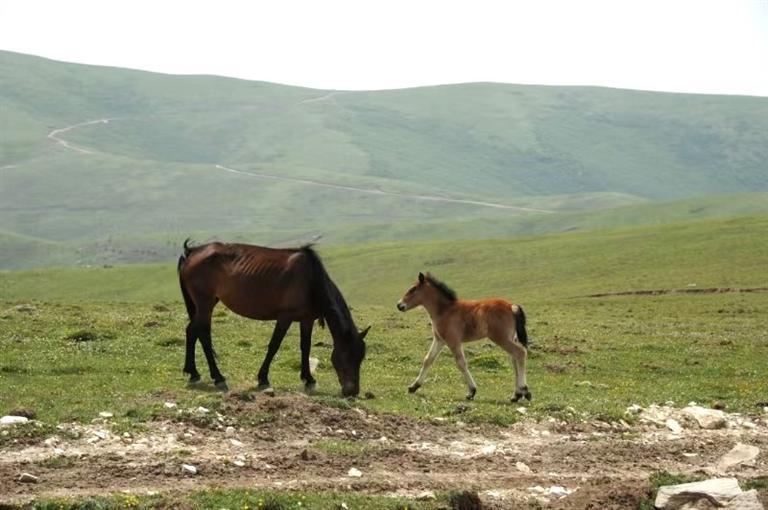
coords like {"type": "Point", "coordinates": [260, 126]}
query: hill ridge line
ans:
{"type": "Point", "coordinates": [426, 198]}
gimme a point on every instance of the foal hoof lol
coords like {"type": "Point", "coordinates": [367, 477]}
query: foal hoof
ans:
{"type": "Point", "coordinates": [522, 394]}
{"type": "Point", "coordinates": [471, 394]}
{"type": "Point", "coordinates": [193, 381]}
{"type": "Point", "coordinates": [310, 388]}
{"type": "Point", "coordinates": [265, 389]}
{"type": "Point", "coordinates": [413, 387]}
{"type": "Point", "coordinates": [222, 386]}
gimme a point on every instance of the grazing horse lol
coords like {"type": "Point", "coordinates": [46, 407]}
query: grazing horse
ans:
{"type": "Point", "coordinates": [456, 320]}
{"type": "Point", "coordinates": [284, 285]}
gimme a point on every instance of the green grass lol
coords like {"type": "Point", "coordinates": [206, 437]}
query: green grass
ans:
{"type": "Point", "coordinates": [632, 349]}
{"type": "Point", "coordinates": [239, 500]}
{"type": "Point", "coordinates": [152, 179]}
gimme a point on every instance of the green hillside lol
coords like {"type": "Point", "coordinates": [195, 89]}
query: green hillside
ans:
{"type": "Point", "coordinates": [173, 154]}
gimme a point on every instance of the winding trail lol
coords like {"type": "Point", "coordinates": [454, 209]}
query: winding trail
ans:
{"type": "Point", "coordinates": [54, 135]}
{"type": "Point", "coordinates": [370, 191]}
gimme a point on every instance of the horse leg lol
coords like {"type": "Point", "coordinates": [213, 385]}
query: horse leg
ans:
{"type": "Point", "coordinates": [434, 350]}
{"type": "Point", "coordinates": [203, 326]}
{"type": "Point", "coordinates": [189, 361]}
{"type": "Point", "coordinates": [518, 355]}
{"type": "Point", "coordinates": [306, 346]}
{"type": "Point", "coordinates": [281, 328]}
{"type": "Point", "coordinates": [461, 362]}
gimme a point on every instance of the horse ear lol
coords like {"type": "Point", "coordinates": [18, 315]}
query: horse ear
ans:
{"type": "Point", "coordinates": [364, 332]}
{"type": "Point", "coordinates": [421, 277]}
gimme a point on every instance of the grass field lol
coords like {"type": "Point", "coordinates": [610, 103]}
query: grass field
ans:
{"type": "Point", "coordinates": [708, 347]}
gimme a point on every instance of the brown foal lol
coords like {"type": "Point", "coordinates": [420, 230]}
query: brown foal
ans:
{"type": "Point", "coordinates": [455, 321]}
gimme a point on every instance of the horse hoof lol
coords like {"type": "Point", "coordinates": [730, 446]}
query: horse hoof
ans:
{"type": "Point", "coordinates": [413, 387]}
{"type": "Point", "coordinates": [193, 381]}
{"type": "Point", "coordinates": [471, 394]}
{"type": "Point", "coordinates": [310, 389]}
{"type": "Point", "coordinates": [266, 389]}
{"type": "Point", "coordinates": [222, 386]}
{"type": "Point", "coordinates": [528, 396]}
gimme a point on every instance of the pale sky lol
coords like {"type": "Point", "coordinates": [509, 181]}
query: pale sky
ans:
{"type": "Point", "coordinates": [703, 46]}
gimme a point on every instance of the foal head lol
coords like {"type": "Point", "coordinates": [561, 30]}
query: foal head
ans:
{"type": "Point", "coordinates": [347, 356]}
{"type": "Point", "coordinates": [425, 291]}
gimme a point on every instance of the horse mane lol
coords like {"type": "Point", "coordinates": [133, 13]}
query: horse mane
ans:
{"type": "Point", "coordinates": [328, 298]}
{"type": "Point", "coordinates": [447, 292]}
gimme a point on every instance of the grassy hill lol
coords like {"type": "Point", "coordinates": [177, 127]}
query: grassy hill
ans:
{"type": "Point", "coordinates": [148, 176]}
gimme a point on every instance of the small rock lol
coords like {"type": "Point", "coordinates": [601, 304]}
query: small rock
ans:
{"type": "Point", "coordinates": [488, 449]}
{"type": "Point", "coordinates": [236, 443]}
{"type": "Point", "coordinates": [674, 426]}
{"type": "Point", "coordinates": [690, 455]}
{"type": "Point", "coordinates": [7, 421]}
{"type": "Point", "coordinates": [28, 478]}
{"type": "Point", "coordinates": [106, 414]}
{"type": "Point", "coordinates": [230, 431]}
{"type": "Point", "coordinates": [314, 363]}
{"type": "Point", "coordinates": [58, 451]}
{"type": "Point", "coordinates": [203, 410]}
{"type": "Point", "coordinates": [522, 467]}
{"type": "Point", "coordinates": [522, 410]}
{"type": "Point", "coordinates": [706, 418]}
{"type": "Point", "coordinates": [101, 434]}
{"type": "Point", "coordinates": [305, 455]}
{"type": "Point", "coordinates": [51, 441]}
{"type": "Point", "coordinates": [188, 469]}
{"type": "Point", "coordinates": [749, 500]}
{"type": "Point", "coordinates": [538, 489]}
{"type": "Point", "coordinates": [425, 495]}
{"type": "Point", "coordinates": [369, 395]}
{"type": "Point", "coordinates": [354, 473]}
{"type": "Point", "coordinates": [169, 405]}
{"type": "Point", "coordinates": [583, 383]}
{"type": "Point", "coordinates": [559, 491]}
{"type": "Point", "coordinates": [739, 454]}
{"type": "Point", "coordinates": [634, 409]}
{"type": "Point", "coordinates": [721, 490]}
{"type": "Point", "coordinates": [238, 463]}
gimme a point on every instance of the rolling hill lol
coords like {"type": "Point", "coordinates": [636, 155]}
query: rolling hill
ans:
{"type": "Point", "coordinates": [100, 164]}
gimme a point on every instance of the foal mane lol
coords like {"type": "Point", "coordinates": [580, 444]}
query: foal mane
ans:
{"type": "Point", "coordinates": [447, 292]}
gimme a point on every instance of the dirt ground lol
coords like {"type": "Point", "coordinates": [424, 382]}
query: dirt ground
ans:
{"type": "Point", "coordinates": [293, 442]}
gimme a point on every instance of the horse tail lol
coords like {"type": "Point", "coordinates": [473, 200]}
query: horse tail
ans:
{"type": "Point", "coordinates": [522, 334]}
{"type": "Point", "coordinates": [191, 309]}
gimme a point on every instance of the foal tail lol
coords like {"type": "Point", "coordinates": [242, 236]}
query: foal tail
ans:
{"type": "Point", "coordinates": [522, 334]}
{"type": "Point", "coordinates": [191, 309]}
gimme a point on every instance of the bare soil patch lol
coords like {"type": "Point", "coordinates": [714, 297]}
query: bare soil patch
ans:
{"type": "Point", "coordinates": [295, 442]}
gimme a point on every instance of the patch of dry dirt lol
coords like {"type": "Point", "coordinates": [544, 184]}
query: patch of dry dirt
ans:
{"type": "Point", "coordinates": [283, 443]}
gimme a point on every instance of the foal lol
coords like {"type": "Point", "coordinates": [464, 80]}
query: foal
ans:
{"type": "Point", "coordinates": [455, 321]}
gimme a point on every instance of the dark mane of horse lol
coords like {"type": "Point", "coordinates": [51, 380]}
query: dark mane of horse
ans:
{"type": "Point", "coordinates": [328, 297]}
{"type": "Point", "coordinates": [447, 292]}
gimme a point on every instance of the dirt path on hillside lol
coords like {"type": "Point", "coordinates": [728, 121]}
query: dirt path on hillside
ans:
{"type": "Point", "coordinates": [374, 191]}
{"type": "Point", "coordinates": [294, 442]}
{"type": "Point", "coordinates": [54, 135]}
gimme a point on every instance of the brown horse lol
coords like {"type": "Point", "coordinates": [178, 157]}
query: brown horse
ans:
{"type": "Point", "coordinates": [455, 321]}
{"type": "Point", "coordinates": [284, 285]}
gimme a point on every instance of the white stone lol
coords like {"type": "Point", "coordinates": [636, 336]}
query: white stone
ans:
{"type": "Point", "coordinates": [537, 489]}
{"type": "Point", "coordinates": [721, 490]}
{"type": "Point", "coordinates": [634, 409]}
{"type": "Point", "coordinates": [169, 405]}
{"type": "Point", "coordinates": [706, 418]}
{"type": "Point", "coordinates": [7, 421]}
{"type": "Point", "coordinates": [188, 469]}
{"type": "Point", "coordinates": [101, 434]}
{"type": "Point", "coordinates": [236, 443]}
{"type": "Point", "coordinates": [559, 491]}
{"type": "Point", "coordinates": [522, 467]}
{"type": "Point", "coordinates": [203, 410]}
{"type": "Point", "coordinates": [354, 473]}
{"type": "Point", "coordinates": [51, 441]}
{"type": "Point", "coordinates": [229, 432]}
{"type": "Point", "coordinates": [746, 501]}
{"type": "Point", "coordinates": [488, 449]}
{"type": "Point", "coordinates": [106, 414]}
{"type": "Point", "coordinates": [674, 426]}
{"type": "Point", "coordinates": [739, 454]}
{"type": "Point", "coordinates": [314, 363]}
{"type": "Point", "coordinates": [58, 451]}
{"type": "Point", "coordinates": [28, 478]}
{"type": "Point", "coordinates": [238, 463]}
{"type": "Point", "coordinates": [522, 410]}
{"type": "Point", "coordinates": [425, 495]}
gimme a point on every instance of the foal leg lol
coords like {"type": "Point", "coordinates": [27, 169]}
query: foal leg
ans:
{"type": "Point", "coordinates": [518, 355]}
{"type": "Point", "coordinates": [281, 328]}
{"type": "Point", "coordinates": [306, 345]}
{"type": "Point", "coordinates": [434, 350]}
{"type": "Point", "coordinates": [461, 362]}
{"type": "Point", "coordinates": [189, 360]}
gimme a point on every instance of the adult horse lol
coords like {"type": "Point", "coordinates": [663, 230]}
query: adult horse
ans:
{"type": "Point", "coordinates": [284, 285]}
